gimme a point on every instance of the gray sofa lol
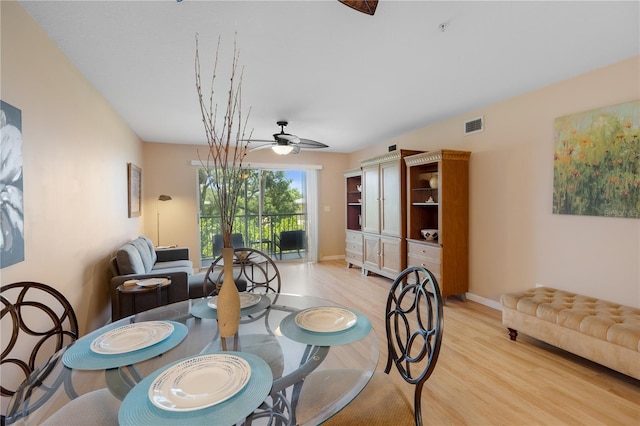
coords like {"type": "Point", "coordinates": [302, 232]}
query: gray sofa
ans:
{"type": "Point", "coordinates": [139, 259]}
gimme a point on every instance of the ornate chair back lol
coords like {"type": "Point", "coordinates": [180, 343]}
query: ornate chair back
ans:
{"type": "Point", "coordinates": [37, 321]}
{"type": "Point", "coordinates": [253, 270]}
{"type": "Point", "coordinates": [414, 326]}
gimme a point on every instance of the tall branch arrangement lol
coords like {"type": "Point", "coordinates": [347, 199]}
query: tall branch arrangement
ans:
{"type": "Point", "coordinates": [227, 143]}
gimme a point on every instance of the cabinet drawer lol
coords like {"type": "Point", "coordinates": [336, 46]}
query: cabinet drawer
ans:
{"type": "Point", "coordinates": [354, 248]}
{"type": "Point", "coordinates": [433, 267]}
{"type": "Point", "coordinates": [353, 243]}
{"type": "Point", "coordinates": [423, 251]}
{"type": "Point", "coordinates": [355, 256]}
{"type": "Point", "coordinates": [354, 237]}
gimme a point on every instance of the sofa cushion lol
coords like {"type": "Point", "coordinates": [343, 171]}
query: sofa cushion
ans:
{"type": "Point", "coordinates": [151, 247]}
{"type": "Point", "coordinates": [145, 253]}
{"type": "Point", "coordinates": [186, 265]}
{"type": "Point", "coordinates": [129, 260]}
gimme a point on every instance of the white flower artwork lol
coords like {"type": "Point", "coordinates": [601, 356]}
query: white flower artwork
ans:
{"type": "Point", "coordinates": [11, 199]}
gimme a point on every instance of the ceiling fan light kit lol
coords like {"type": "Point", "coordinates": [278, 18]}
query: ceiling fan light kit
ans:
{"type": "Point", "coordinates": [282, 149]}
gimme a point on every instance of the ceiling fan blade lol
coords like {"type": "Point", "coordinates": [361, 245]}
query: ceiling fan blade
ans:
{"type": "Point", "coordinates": [257, 140]}
{"type": "Point", "coordinates": [366, 6]}
{"type": "Point", "coordinates": [286, 137]}
{"type": "Point", "coordinates": [309, 144]}
{"type": "Point", "coordinates": [296, 149]}
{"type": "Point", "coordinates": [259, 147]}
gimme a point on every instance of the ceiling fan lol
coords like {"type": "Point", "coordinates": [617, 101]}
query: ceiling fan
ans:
{"type": "Point", "coordinates": [285, 143]}
{"type": "Point", "coordinates": [364, 6]}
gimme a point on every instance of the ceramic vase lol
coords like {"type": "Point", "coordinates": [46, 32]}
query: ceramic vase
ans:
{"type": "Point", "coordinates": [433, 182]}
{"type": "Point", "coordinates": [228, 298]}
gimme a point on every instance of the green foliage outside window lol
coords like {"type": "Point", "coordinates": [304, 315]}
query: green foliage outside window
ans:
{"type": "Point", "coordinates": [281, 209]}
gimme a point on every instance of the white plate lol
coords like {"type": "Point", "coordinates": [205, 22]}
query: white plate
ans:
{"type": "Point", "coordinates": [326, 319]}
{"type": "Point", "coordinates": [199, 382]}
{"type": "Point", "coordinates": [131, 337]}
{"type": "Point", "coordinates": [246, 300]}
{"type": "Point", "coordinates": [151, 282]}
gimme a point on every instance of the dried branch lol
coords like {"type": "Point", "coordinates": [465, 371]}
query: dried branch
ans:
{"type": "Point", "coordinates": [224, 166]}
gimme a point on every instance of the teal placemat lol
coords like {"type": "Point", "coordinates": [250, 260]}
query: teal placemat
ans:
{"type": "Point", "coordinates": [80, 356]}
{"type": "Point", "coordinates": [200, 308]}
{"type": "Point", "coordinates": [136, 409]}
{"type": "Point", "coordinates": [289, 328]}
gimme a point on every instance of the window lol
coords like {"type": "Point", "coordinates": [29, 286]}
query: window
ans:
{"type": "Point", "coordinates": [272, 200]}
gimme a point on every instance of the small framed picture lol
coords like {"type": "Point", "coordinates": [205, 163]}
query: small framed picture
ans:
{"type": "Point", "coordinates": [134, 184]}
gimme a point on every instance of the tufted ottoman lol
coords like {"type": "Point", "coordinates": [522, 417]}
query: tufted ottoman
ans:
{"type": "Point", "coordinates": [603, 332]}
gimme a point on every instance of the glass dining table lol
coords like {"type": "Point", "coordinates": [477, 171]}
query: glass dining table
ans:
{"type": "Point", "coordinates": [159, 366]}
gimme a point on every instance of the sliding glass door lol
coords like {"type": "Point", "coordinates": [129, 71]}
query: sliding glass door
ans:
{"type": "Point", "coordinates": [272, 205]}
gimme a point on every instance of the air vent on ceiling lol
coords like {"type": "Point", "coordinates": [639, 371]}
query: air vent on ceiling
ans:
{"type": "Point", "coordinates": [474, 126]}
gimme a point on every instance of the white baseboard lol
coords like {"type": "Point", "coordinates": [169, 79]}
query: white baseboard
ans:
{"type": "Point", "coordinates": [484, 301]}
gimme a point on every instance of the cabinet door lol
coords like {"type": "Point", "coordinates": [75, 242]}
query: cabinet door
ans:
{"type": "Point", "coordinates": [390, 198]}
{"type": "Point", "coordinates": [370, 199]}
{"type": "Point", "coordinates": [390, 259]}
{"type": "Point", "coordinates": [371, 252]}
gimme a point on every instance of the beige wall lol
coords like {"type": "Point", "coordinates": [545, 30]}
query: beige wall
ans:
{"type": "Point", "coordinates": [168, 170]}
{"type": "Point", "coordinates": [75, 150]}
{"type": "Point", "coordinates": [515, 240]}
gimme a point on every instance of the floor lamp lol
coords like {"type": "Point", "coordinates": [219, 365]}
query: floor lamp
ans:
{"type": "Point", "coordinates": [160, 198]}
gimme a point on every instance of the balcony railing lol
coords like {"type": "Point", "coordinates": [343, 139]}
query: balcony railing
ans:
{"type": "Point", "coordinates": [256, 231]}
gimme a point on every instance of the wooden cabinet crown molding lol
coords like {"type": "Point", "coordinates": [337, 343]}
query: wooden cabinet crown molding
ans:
{"type": "Point", "coordinates": [390, 156]}
{"type": "Point", "coordinates": [433, 156]}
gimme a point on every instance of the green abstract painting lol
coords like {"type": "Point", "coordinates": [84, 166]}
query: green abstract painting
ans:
{"type": "Point", "coordinates": [597, 161]}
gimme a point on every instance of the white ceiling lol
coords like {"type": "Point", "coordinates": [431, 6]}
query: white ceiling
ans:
{"type": "Point", "coordinates": [338, 76]}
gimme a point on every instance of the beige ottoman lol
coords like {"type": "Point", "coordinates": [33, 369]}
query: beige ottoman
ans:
{"type": "Point", "coordinates": [603, 332]}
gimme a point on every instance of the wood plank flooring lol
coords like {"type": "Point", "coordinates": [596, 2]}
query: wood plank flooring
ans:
{"type": "Point", "coordinates": [483, 378]}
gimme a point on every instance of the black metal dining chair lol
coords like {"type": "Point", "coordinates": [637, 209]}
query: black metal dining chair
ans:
{"type": "Point", "coordinates": [43, 322]}
{"type": "Point", "coordinates": [414, 327]}
{"type": "Point", "coordinates": [253, 271]}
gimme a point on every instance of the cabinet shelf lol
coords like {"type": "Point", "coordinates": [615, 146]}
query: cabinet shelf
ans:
{"type": "Point", "coordinates": [353, 180]}
{"type": "Point", "coordinates": [446, 210]}
{"type": "Point", "coordinates": [425, 242]}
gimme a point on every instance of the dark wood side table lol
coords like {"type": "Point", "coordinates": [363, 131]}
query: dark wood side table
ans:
{"type": "Point", "coordinates": [131, 291]}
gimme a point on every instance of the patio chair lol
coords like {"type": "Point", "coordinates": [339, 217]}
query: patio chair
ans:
{"type": "Point", "coordinates": [237, 241]}
{"type": "Point", "coordinates": [290, 240]}
{"type": "Point", "coordinates": [414, 325]}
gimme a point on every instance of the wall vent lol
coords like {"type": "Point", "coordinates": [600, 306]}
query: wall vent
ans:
{"type": "Point", "coordinates": [474, 126]}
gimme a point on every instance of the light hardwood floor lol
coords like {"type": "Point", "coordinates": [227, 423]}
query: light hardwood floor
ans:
{"type": "Point", "coordinates": [483, 378]}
